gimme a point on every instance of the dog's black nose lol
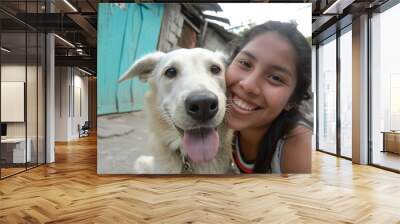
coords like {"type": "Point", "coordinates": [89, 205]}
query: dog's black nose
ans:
{"type": "Point", "coordinates": [201, 105]}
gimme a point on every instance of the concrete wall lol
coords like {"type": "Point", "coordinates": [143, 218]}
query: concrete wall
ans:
{"type": "Point", "coordinates": [360, 90]}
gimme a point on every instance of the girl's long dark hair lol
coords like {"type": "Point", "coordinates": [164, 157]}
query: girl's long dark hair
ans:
{"type": "Point", "coordinates": [286, 120]}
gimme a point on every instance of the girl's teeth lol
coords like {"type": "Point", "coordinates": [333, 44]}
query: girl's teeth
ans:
{"type": "Point", "coordinates": [242, 104]}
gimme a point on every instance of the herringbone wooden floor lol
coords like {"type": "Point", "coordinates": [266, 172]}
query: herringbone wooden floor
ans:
{"type": "Point", "coordinates": [70, 191]}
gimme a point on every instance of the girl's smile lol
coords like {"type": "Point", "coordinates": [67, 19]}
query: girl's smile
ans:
{"type": "Point", "coordinates": [242, 105]}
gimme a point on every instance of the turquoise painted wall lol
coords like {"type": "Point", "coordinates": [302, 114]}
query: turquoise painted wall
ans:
{"type": "Point", "coordinates": [124, 35]}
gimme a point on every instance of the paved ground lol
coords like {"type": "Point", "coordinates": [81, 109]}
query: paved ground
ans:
{"type": "Point", "coordinates": [121, 138]}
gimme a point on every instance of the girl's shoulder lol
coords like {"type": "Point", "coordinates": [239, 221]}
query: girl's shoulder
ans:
{"type": "Point", "coordinates": [296, 155]}
{"type": "Point", "coordinates": [298, 131]}
{"type": "Point", "coordinates": [302, 127]}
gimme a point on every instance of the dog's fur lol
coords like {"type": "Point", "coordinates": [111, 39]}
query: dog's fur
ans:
{"type": "Point", "coordinates": [165, 109]}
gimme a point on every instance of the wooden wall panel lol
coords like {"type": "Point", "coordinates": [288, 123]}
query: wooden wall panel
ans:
{"type": "Point", "coordinates": [92, 100]}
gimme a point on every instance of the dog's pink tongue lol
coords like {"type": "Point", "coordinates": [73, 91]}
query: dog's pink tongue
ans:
{"type": "Point", "coordinates": [201, 144]}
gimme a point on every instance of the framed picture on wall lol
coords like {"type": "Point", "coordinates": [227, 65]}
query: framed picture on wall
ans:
{"type": "Point", "coordinates": [165, 87]}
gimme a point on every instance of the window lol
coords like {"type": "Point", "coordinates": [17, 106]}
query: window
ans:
{"type": "Point", "coordinates": [346, 92]}
{"type": "Point", "coordinates": [385, 89]}
{"type": "Point", "coordinates": [327, 96]}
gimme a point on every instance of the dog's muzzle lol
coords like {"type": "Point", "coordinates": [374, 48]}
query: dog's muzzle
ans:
{"type": "Point", "coordinates": [201, 105]}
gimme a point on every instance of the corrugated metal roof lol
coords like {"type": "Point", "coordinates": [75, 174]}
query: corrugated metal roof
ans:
{"type": "Point", "coordinates": [208, 6]}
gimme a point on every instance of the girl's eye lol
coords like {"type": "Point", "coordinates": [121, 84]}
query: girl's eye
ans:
{"type": "Point", "coordinates": [244, 63]}
{"type": "Point", "coordinates": [275, 78]}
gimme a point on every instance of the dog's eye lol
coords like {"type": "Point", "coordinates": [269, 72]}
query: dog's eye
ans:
{"type": "Point", "coordinates": [171, 72]}
{"type": "Point", "coordinates": [215, 69]}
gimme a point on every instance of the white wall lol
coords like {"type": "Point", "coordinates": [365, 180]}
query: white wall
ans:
{"type": "Point", "coordinates": [70, 83]}
{"type": "Point", "coordinates": [61, 103]}
{"type": "Point", "coordinates": [80, 83]}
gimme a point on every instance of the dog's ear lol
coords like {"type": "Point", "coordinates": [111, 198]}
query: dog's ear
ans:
{"type": "Point", "coordinates": [142, 67]}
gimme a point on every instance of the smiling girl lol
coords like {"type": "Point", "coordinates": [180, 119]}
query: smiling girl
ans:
{"type": "Point", "coordinates": [268, 77]}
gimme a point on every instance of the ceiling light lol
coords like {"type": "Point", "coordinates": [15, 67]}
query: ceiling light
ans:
{"type": "Point", "coordinates": [338, 6]}
{"type": "Point", "coordinates": [5, 50]}
{"type": "Point", "coordinates": [65, 41]}
{"type": "Point", "coordinates": [70, 5]}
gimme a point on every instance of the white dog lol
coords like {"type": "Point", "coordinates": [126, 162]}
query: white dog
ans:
{"type": "Point", "coordinates": [185, 110]}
